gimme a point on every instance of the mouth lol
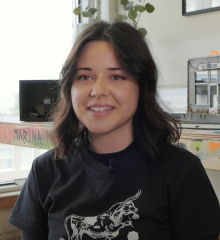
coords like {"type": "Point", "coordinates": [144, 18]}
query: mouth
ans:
{"type": "Point", "coordinates": [100, 109]}
{"type": "Point", "coordinates": [102, 113]}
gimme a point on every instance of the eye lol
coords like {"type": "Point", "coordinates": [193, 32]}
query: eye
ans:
{"type": "Point", "coordinates": [83, 76]}
{"type": "Point", "coordinates": [117, 76]}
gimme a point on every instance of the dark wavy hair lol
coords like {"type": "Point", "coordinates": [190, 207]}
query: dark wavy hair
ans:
{"type": "Point", "coordinates": [152, 127]}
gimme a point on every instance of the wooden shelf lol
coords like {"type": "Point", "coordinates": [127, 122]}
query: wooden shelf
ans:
{"type": "Point", "coordinates": [8, 202]}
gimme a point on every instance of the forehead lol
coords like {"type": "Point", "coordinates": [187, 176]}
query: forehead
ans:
{"type": "Point", "coordinates": [97, 52]}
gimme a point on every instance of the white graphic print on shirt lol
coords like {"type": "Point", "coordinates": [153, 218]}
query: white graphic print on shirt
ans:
{"type": "Point", "coordinates": [105, 225]}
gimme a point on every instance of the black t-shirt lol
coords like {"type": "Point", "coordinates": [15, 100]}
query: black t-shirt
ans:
{"type": "Point", "coordinates": [82, 198]}
{"type": "Point", "coordinates": [110, 159]}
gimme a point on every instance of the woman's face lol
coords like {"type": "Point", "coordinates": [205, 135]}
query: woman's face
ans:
{"type": "Point", "coordinates": [98, 84]}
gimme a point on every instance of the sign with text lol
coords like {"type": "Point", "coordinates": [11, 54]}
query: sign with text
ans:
{"type": "Point", "coordinates": [209, 66]}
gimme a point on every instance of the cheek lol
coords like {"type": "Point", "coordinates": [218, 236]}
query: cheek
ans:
{"type": "Point", "coordinates": [75, 96]}
{"type": "Point", "coordinates": [129, 98]}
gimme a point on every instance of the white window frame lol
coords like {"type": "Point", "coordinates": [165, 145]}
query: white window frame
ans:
{"type": "Point", "coordinates": [31, 157]}
{"type": "Point", "coordinates": [12, 157]}
{"type": "Point", "coordinates": [17, 170]}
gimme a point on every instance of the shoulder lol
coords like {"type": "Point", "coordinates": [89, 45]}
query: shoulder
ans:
{"type": "Point", "coordinates": [44, 160]}
{"type": "Point", "coordinates": [179, 157]}
{"type": "Point", "coordinates": [178, 163]}
{"type": "Point", "coordinates": [191, 196]}
{"type": "Point", "coordinates": [46, 163]}
{"type": "Point", "coordinates": [176, 151]}
{"type": "Point", "coordinates": [46, 171]}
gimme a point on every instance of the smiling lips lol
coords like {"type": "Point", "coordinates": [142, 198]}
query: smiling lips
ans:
{"type": "Point", "coordinates": [101, 109]}
{"type": "Point", "coordinates": [99, 105]}
{"type": "Point", "coordinates": [100, 112]}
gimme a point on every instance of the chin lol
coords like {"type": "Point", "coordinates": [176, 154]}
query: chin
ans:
{"type": "Point", "coordinates": [99, 130]}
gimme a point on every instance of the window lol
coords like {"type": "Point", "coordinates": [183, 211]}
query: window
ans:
{"type": "Point", "coordinates": [6, 157]}
{"type": "Point", "coordinates": [213, 76]}
{"type": "Point", "coordinates": [36, 37]}
{"type": "Point", "coordinates": [16, 161]}
{"type": "Point", "coordinates": [27, 156]}
{"type": "Point", "coordinates": [207, 88]}
{"type": "Point", "coordinates": [34, 45]}
{"type": "Point", "coordinates": [201, 95]}
{"type": "Point", "coordinates": [201, 87]}
{"type": "Point", "coordinates": [219, 75]}
{"type": "Point", "coordinates": [213, 96]}
{"type": "Point", "coordinates": [218, 94]}
{"type": "Point", "coordinates": [218, 81]}
{"type": "Point", "coordinates": [190, 7]}
{"type": "Point", "coordinates": [175, 99]}
{"type": "Point", "coordinates": [201, 77]}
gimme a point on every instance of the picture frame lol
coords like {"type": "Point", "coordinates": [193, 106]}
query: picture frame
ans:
{"type": "Point", "coordinates": [197, 4]}
{"type": "Point", "coordinates": [37, 99]}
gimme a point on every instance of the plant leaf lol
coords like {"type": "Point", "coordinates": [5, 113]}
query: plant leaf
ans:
{"type": "Point", "coordinates": [122, 17]}
{"type": "Point", "coordinates": [143, 31]}
{"type": "Point", "coordinates": [150, 8]}
{"type": "Point", "coordinates": [94, 19]}
{"type": "Point", "coordinates": [129, 6]}
{"type": "Point", "coordinates": [132, 14]}
{"type": "Point", "coordinates": [77, 11]}
{"type": "Point", "coordinates": [87, 7]}
{"type": "Point", "coordinates": [87, 14]}
{"type": "Point", "coordinates": [92, 10]}
{"type": "Point", "coordinates": [139, 8]}
{"type": "Point", "coordinates": [124, 2]}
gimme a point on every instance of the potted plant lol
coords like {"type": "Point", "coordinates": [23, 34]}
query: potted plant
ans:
{"type": "Point", "coordinates": [130, 11]}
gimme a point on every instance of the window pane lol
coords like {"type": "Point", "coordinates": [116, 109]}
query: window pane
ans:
{"type": "Point", "coordinates": [174, 99]}
{"type": "Point", "coordinates": [219, 94]}
{"type": "Point", "coordinates": [213, 76]}
{"type": "Point", "coordinates": [213, 96]}
{"type": "Point", "coordinates": [201, 94]}
{"type": "Point", "coordinates": [215, 3]}
{"type": "Point", "coordinates": [190, 5]}
{"type": "Point", "coordinates": [44, 41]}
{"type": "Point", "coordinates": [18, 166]}
{"type": "Point", "coordinates": [202, 77]}
{"type": "Point", "coordinates": [5, 153]}
{"type": "Point", "coordinates": [26, 156]}
{"type": "Point", "coordinates": [219, 76]}
{"type": "Point", "coordinates": [6, 163]}
{"type": "Point", "coordinates": [196, 5]}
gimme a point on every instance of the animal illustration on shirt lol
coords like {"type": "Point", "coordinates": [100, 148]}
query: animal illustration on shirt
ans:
{"type": "Point", "coordinates": [105, 225]}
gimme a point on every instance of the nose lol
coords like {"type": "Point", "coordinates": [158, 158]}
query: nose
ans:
{"type": "Point", "coordinates": [99, 87]}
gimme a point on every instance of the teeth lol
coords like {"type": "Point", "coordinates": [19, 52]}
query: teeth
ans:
{"type": "Point", "coordinates": [102, 109]}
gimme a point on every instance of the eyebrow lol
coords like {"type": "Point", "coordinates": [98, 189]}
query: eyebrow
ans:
{"type": "Point", "coordinates": [90, 69]}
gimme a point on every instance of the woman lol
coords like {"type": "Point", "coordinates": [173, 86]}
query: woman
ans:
{"type": "Point", "coordinates": [114, 173]}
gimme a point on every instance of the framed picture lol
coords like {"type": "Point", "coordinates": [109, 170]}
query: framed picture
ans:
{"type": "Point", "coordinates": [37, 98]}
{"type": "Point", "coordinates": [190, 7]}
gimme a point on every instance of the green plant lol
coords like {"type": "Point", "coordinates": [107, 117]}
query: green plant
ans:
{"type": "Point", "coordinates": [127, 6]}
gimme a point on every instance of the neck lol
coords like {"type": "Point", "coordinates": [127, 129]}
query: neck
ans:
{"type": "Point", "coordinates": [111, 142]}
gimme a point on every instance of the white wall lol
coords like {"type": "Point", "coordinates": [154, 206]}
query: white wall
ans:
{"type": "Point", "coordinates": [174, 39]}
